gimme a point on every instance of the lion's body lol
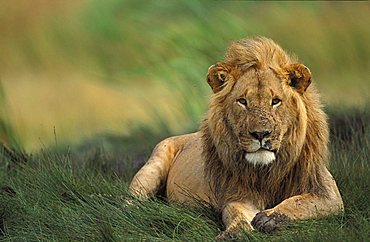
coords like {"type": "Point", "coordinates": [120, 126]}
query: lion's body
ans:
{"type": "Point", "coordinates": [181, 183]}
{"type": "Point", "coordinates": [262, 145]}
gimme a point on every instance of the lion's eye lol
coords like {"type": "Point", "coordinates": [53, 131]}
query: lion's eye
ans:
{"type": "Point", "coordinates": [242, 101]}
{"type": "Point", "coordinates": [275, 102]}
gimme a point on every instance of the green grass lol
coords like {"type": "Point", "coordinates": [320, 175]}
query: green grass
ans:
{"type": "Point", "coordinates": [55, 197]}
{"type": "Point", "coordinates": [80, 193]}
{"type": "Point", "coordinates": [134, 45]}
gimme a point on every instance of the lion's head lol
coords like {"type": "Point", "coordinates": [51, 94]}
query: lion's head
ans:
{"type": "Point", "coordinates": [263, 112]}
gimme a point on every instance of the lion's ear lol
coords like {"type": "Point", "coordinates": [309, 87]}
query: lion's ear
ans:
{"type": "Point", "coordinates": [299, 77]}
{"type": "Point", "coordinates": [218, 75]}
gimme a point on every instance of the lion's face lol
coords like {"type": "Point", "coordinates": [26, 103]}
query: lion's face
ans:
{"type": "Point", "coordinates": [256, 108]}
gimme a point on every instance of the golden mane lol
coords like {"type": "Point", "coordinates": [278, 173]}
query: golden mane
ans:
{"type": "Point", "coordinates": [298, 165]}
{"type": "Point", "coordinates": [260, 52]}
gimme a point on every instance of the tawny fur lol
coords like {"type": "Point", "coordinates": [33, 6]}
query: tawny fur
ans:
{"type": "Point", "coordinates": [303, 154]}
{"type": "Point", "coordinates": [211, 165]}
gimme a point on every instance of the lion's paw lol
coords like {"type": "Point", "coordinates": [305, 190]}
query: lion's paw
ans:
{"type": "Point", "coordinates": [269, 223]}
{"type": "Point", "coordinates": [227, 235]}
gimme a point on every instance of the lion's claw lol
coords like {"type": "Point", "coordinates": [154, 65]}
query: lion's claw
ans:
{"type": "Point", "coordinates": [268, 223]}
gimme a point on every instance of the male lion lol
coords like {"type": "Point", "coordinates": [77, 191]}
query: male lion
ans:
{"type": "Point", "coordinates": [261, 154]}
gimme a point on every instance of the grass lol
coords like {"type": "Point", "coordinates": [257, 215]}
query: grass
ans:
{"type": "Point", "coordinates": [135, 73]}
{"type": "Point", "coordinates": [144, 59]}
{"type": "Point", "coordinates": [55, 197]}
{"type": "Point", "coordinates": [7, 133]}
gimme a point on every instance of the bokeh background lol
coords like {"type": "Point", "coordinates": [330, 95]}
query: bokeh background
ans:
{"type": "Point", "coordinates": [72, 69]}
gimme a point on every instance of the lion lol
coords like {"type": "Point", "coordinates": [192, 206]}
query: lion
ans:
{"type": "Point", "coordinates": [260, 157]}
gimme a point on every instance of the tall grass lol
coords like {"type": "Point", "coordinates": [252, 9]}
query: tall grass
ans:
{"type": "Point", "coordinates": [53, 199]}
{"type": "Point", "coordinates": [120, 37]}
{"type": "Point", "coordinates": [79, 192]}
{"type": "Point", "coordinates": [8, 135]}
{"type": "Point", "coordinates": [136, 46]}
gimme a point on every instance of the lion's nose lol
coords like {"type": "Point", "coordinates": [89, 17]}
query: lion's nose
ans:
{"type": "Point", "coordinates": [260, 135]}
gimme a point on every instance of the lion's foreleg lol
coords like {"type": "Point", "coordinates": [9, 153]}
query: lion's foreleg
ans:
{"type": "Point", "coordinates": [237, 216]}
{"type": "Point", "coordinates": [304, 206]}
{"type": "Point", "coordinates": [152, 176]}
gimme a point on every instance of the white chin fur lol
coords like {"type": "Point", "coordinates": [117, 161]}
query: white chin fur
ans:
{"type": "Point", "coordinates": [260, 157]}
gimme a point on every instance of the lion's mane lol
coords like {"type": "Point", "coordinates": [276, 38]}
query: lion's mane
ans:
{"type": "Point", "coordinates": [303, 151]}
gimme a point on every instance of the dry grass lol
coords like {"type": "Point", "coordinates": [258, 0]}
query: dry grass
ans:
{"type": "Point", "coordinates": [78, 108]}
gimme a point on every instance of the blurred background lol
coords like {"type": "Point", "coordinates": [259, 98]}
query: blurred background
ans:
{"type": "Point", "coordinates": [73, 69]}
